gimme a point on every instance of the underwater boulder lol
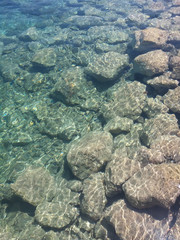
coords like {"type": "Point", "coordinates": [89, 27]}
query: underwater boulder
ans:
{"type": "Point", "coordinates": [90, 153]}
{"type": "Point", "coordinates": [108, 66]}
{"type": "Point", "coordinates": [150, 39]}
{"type": "Point", "coordinates": [129, 223]}
{"type": "Point", "coordinates": [151, 63]}
{"type": "Point", "coordinates": [45, 58]}
{"type": "Point", "coordinates": [154, 185]}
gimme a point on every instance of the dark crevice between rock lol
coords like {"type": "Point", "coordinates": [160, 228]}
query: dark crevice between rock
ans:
{"type": "Point", "coordinates": [47, 228]}
{"type": "Point", "coordinates": [174, 211]}
{"type": "Point", "coordinates": [67, 173]}
{"type": "Point", "coordinates": [110, 229]}
{"type": "Point", "coordinates": [17, 204]}
{"type": "Point", "coordinates": [115, 198]}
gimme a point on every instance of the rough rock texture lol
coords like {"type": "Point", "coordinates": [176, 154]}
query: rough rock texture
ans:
{"type": "Point", "coordinates": [131, 224]}
{"type": "Point", "coordinates": [45, 58]}
{"type": "Point", "coordinates": [62, 211]}
{"type": "Point", "coordinates": [162, 83]}
{"type": "Point", "coordinates": [118, 125]}
{"type": "Point", "coordinates": [128, 101]}
{"type": "Point", "coordinates": [55, 214]}
{"type": "Point", "coordinates": [107, 66]}
{"type": "Point", "coordinates": [118, 171]}
{"type": "Point", "coordinates": [172, 100]}
{"type": "Point", "coordinates": [90, 153]}
{"type": "Point", "coordinates": [151, 63]}
{"type": "Point", "coordinates": [154, 107]}
{"type": "Point", "coordinates": [164, 149]}
{"type": "Point", "coordinates": [31, 232]}
{"type": "Point", "coordinates": [150, 39]}
{"type": "Point", "coordinates": [154, 185]}
{"type": "Point", "coordinates": [161, 124]}
{"type": "Point", "coordinates": [72, 88]}
{"type": "Point", "coordinates": [175, 65]}
{"type": "Point", "coordinates": [93, 196]}
{"type": "Point", "coordinates": [34, 185]}
{"type": "Point", "coordinates": [129, 143]}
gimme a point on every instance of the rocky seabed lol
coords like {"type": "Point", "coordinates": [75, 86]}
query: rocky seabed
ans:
{"type": "Point", "coordinates": [89, 130]}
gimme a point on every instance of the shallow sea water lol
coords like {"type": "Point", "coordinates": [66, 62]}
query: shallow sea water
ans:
{"type": "Point", "coordinates": [69, 68]}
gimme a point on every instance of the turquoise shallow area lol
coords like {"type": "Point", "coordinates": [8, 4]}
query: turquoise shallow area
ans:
{"type": "Point", "coordinates": [89, 96]}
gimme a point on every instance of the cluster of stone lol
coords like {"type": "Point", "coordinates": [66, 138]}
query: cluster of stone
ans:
{"type": "Point", "coordinates": [99, 133]}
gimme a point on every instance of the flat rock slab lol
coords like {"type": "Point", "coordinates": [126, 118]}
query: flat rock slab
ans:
{"type": "Point", "coordinates": [34, 185]}
{"type": "Point", "coordinates": [154, 185]}
{"type": "Point", "coordinates": [131, 224]}
{"type": "Point", "coordinates": [151, 63]}
{"type": "Point", "coordinates": [108, 66]}
{"type": "Point", "coordinates": [55, 214]}
{"type": "Point", "coordinates": [90, 153]}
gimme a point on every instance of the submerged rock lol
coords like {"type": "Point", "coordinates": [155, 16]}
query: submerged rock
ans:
{"type": "Point", "coordinates": [31, 34]}
{"type": "Point", "coordinates": [117, 171]}
{"type": "Point", "coordinates": [107, 66]}
{"type": "Point", "coordinates": [164, 149]}
{"type": "Point", "coordinates": [130, 142]}
{"type": "Point", "coordinates": [172, 100]}
{"type": "Point", "coordinates": [175, 65]}
{"type": "Point", "coordinates": [162, 83]}
{"type": "Point", "coordinates": [119, 125]}
{"type": "Point", "coordinates": [72, 88]}
{"type": "Point", "coordinates": [93, 196]}
{"type": "Point", "coordinates": [127, 101]}
{"type": "Point", "coordinates": [154, 185]}
{"type": "Point", "coordinates": [90, 153]}
{"type": "Point", "coordinates": [150, 39]}
{"type": "Point", "coordinates": [108, 34]}
{"type": "Point", "coordinates": [34, 185]}
{"type": "Point", "coordinates": [154, 107]}
{"type": "Point", "coordinates": [161, 124]}
{"type": "Point", "coordinates": [131, 224]}
{"type": "Point", "coordinates": [45, 58]}
{"type": "Point", "coordinates": [151, 63]}
{"type": "Point", "coordinates": [55, 214]}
